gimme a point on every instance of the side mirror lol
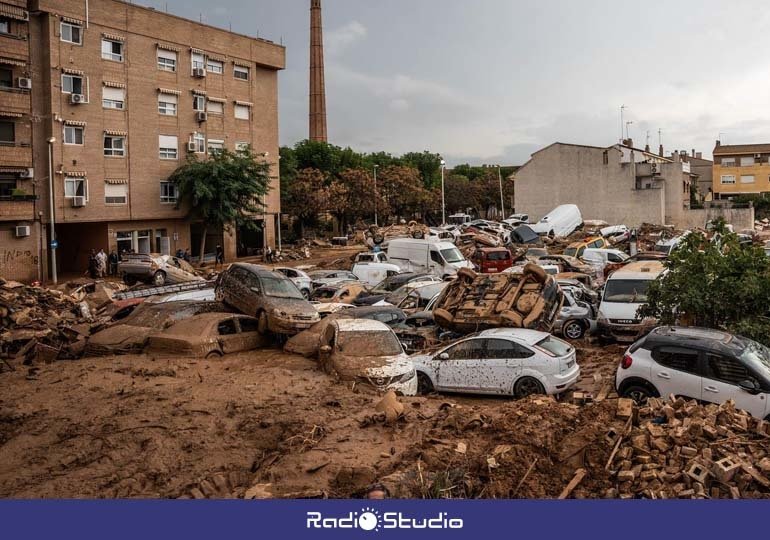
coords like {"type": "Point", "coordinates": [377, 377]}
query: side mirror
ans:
{"type": "Point", "coordinates": [255, 289]}
{"type": "Point", "coordinates": [750, 386]}
{"type": "Point", "coordinates": [325, 349]}
{"type": "Point", "coordinates": [443, 356]}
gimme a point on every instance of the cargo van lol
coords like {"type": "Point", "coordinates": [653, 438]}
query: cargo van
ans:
{"type": "Point", "coordinates": [624, 292]}
{"type": "Point", "coordinates": [421, 255]}
{"type": "Point", "coordinates": [371, 273]}
{"type": "Point", "coordinates": [561, 221]}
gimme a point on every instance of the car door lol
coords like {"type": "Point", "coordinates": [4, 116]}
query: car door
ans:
{"type": "Point", "coordinates": [677, 371]}
{"type": "Point", "coordinates": [227, 331]}
{"type": "Point", "coordinates": [458, 371]}
{"type": "Point", "coordinates": [503, 361]}
{"type": "Point", "coordinates": [721, 381]}
{"type": "Point", "coordinates": [173, 270]}
{"type": "Point", "coordinates": [249, 335]}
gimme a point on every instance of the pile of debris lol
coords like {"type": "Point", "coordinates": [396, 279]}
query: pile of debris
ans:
{"type": "Point", "coordinates": [679, 449]}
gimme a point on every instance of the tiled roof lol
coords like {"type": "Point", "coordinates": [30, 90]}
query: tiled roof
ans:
{"type": "Point", "coordinates": [727, 149]}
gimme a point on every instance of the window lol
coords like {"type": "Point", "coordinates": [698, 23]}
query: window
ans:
{"type": "Point", "coordinates": [198, 60]}
{"type": "Point", "coordinates": [242, 112]}
{"type": "Point", "coordinates": [113, 98]}
{"type": "Point", "coordinates": [677, 358]}
{"type": "Point", "coordinates": [167, 104]}
{"type": "Point", "coordinates": [7, 132]}
{"type": "Point", "coordinates": [605, 158]}
{"type": "Point", "coordinates": [7, 185]}
{"type": "Point", "coordinates": [6, 78]}
{"type": "Point", "coordinates": [112, 50]}
{"type": "Point", "coordinates": [199, 102]}
{"type": "Point", "coordinates": [215, 146]}
{"type": "Point", "coordinates": [240, 72]}
{"type": "Point", "coordinates": [168, 192]}
{"type": "Point", "coordinates": [467, 350]}
{"type": "Point", "coordinates": [728, 162]}
{"type": "Point", "coordinates": [747, 161]}
{"type": "Point", "coordinates": [728, 179]}
{"type": "Point", "coordinates": [215, 107]}
{"type": "Point", "coordinates": [114, 145]}
{"type": "Point", "coordinates": [726, 369]}
{"type": "Point", "coordinates": [5, 26]}
{"type": "Point", "coordinates": [747, 179]}
{"type": "Point", "coordinates": [71, 33]}
{"type": "Point", "coordinates": [614, 258]}
{"type": "Point", "coordinates": [75, 187]}
{"type": "Point", "coordinates": [501, 349]}
{"type": "Point", "coordinates": [115, 193]}
{"type": "Point", "coordinates": [214, 66]}
{"type": "Point", "coordinates": [248, 325]}
{"type": "Point", "coordinates": [166, 60]}
{"type": "Point", "coordinates": [73, 134]}
{"type": "Point", "coordinates": [71, 84]}
{"type": "Point", "coordinates": [227, 327]}
{"type": "Point", "coordinates": [168, 147]}
{"type": "Point", "coordinates": [200, 142]}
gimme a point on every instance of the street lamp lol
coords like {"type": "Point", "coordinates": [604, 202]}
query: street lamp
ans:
{"type": "Point", "coordinates": [443, 204]}
{"type": "Point", "coordinates": [502, 202]}
{"type": "Point", "coordinates": [54, 277]}
{"type": "Point", "coordinates": [375, 194]}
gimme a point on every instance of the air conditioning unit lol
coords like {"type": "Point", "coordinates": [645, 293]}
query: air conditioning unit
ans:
{"type": "Point", "coordinates": [23, 82]}
{"type": "Point", "coordinates": [199, 72]}
{"type": "Point", "coordinates": [78, 202]}
{"type": "Point", "coordinates": [77, 98]}
{"type": "Point", "coordinates": [654, 167]}
{"type": "Point", "coordinates": [22, 231]}
{"type": "Point", "coordinates": [201, 116]}
{"type": "Point", "coordinates": [29, 173]}
{"type": "Point", "coordinates": [191, 147]}
{"type": "Point", "coordinates": [758, 156]}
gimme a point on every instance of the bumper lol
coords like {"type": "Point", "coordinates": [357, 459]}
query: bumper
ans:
{"type": "Point", "coordinates": [563, 381]}
{"type": "Point", "coordinates": [408, 387]}
{"type": "Point", "coordinates": [287, 326]}
{"type": "Point", "coordinates": [625, 333]}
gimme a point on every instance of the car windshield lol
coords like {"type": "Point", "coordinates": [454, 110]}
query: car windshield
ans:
{"type": "Point", "coordinates": [323, 294]}
{"type": "Point", "coordinates": [536, 252]}
{"type": "Point", "coordinates": [369, 343]}
{"type": "Point", "coordinates": [554, 346]}
{"type": "Point", "coordinates": [452, 255]}
{"type": "Point", "coordinates": [626, 291]}
{"type": "Point", "coordinates": [389, 284]}
{"type": "Point", "coordinates": [571, 251]}
{"type": "Point", "coordinates": [280, 288]}
{"type": "Point", "coordinates": [498, 256]}
{"type": "Point", "coordinates": [757, 356]}
{"type": "Point", "coordinates": [663, 249]}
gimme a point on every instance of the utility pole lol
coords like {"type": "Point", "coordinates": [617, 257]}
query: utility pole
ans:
{"type": "Point", "coordinates": [443, 205]}
{"type": "Point", "coordinates": [502, 201]}
{"type": "Point", "coordinates": [622, 108]}
{"type": "Point", "coordinates": [53, 242]}
{"type": "Point", "coordinates": [375, 194]}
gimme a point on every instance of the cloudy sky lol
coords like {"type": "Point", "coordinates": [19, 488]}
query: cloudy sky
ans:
{"type": "Point", "coordinates": [490, 81]}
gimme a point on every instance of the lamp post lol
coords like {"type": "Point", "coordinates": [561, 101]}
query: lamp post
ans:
{"type": "Point", "coordinates": [502, 201]}
{"type": "Point", "coordinates": [443, 204]}
{"type": "Point", "coordinates": [54, 276]}
{"type": "Point", "coordinates": [375, 194]}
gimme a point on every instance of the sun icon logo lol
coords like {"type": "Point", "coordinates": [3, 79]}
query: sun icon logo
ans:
{"type": "Point", "coordinates": [369, 520]}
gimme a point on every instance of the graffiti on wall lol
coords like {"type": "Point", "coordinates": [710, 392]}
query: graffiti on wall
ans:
{"type": "Point", "coordinates": [18, 256]}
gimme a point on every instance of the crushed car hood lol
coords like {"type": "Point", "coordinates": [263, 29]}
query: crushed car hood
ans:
{"type": "Point", "coordinates": [350, 367]}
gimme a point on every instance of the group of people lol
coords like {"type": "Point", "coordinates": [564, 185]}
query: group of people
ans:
{"type": "Point", "coordinates": [100, 264]}
{"type": "Point", "coordinates": [183, 254]}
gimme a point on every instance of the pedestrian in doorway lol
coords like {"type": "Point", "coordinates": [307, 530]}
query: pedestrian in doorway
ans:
{"type": "Point", "coordinates": [92, 265]}
{"type": "Point", "coordinates": [268, 255]}
{"type": "Point", "coordinates": [113, 263]}
{"type": "Point", "coordinates": [219, 256]}
{"type": "Point", "coordinates": [101, 263]}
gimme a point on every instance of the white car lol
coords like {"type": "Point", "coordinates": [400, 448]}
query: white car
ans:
{"type": "Point", "coordinates": [504, 361]}
{"type": "Point", "coordinates": [299, 278]}
{"type": "Point", "coordinates": [371, 256]}
{"type": "Point", "coordinates": [697, 363]}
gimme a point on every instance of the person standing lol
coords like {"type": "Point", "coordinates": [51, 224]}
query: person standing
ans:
{"type": "Point", "coordinates": [101, 259]}
{"type": "Point", "coordinates": [269, 255]}
{"type": "Point", "coordinates": [113, 263]}
{"type": "Point", "coordinates": [92, 265]}
{"type": "Point", "coordinates": [219, 256]}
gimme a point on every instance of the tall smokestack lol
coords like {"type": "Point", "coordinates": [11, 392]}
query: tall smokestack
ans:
{"type": "Point", "coordinates": [317, 86]}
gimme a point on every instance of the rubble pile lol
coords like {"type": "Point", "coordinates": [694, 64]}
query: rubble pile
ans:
{"type": "Point", "coordinates": [679, 449]}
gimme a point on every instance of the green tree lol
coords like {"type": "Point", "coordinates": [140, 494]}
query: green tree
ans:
{"type": "Point", "coordinates": [223, 190]}
{"type": "Point", "coordinates": [307, 195]}
{"type": "Point", "coordinates": [717, 284]}
{"type": "Point", "coordinates": [428, 164]}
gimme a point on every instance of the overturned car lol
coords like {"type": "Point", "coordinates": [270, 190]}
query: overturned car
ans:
{"type": "Point", "coordinates": [472, 302]}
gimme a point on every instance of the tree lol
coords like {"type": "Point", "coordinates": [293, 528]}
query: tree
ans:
{"type": "Point", "coordinates": [719, 284]}
{"type": "Point", "coordinates": [428, 164]}
{"type": "Point", "coordinates": [306, 196]}
{"type": "Point", "coordinates": [402, 188]}
{"type": "Point", "coordinates": [223, 190]}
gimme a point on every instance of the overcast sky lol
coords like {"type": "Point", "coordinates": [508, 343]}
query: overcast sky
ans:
{"type": "Point", "coordinates": [491, 81]}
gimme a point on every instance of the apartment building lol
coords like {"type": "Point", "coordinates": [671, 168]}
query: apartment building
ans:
{"type": "Point", "coordinates": [740, 169]}
{"type": "Point", "coordinates": [120, 96]}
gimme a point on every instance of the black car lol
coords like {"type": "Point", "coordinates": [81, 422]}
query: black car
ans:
{"type": "Point", "coordinates": [387, 286]}
{"type": "Point", "coordinates": [389, 315]}
{"type": "Point", "coordinates": [523, 234]}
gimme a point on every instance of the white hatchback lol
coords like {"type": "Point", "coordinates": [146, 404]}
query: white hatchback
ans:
{"type": "Point", "coordinates": [502, 361]}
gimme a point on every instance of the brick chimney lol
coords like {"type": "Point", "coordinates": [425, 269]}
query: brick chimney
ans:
{"type": "Point", "coordinates": [693, 152]}
{"type": "Point", "coordinates": [699, 155]}
{"type": "Point", "coordinates": [317, 85]}
{"type": "Point", "coordinates": [718, 143]}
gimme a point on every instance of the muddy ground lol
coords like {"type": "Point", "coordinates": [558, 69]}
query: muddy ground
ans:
{"type": "Point", "coordinates": [272, 424]}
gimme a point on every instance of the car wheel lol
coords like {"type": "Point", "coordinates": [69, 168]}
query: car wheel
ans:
{"type": "Point", "coordinates": [573, 330]}
{"type": "Point", "coordinates": [424, 386]}
{"type": "Point", "coordinates": [527, 386]}
{"type": "Point", "coordinates": [262, 325]}
{"type": "Point", "coordinates": [306, 294]}
{"type": "Point", "coordinates": [159, 278]}
{"type": "Point", "coordinates": [639, 393]}
{"type": "Point", "coordinates": [214, 354]}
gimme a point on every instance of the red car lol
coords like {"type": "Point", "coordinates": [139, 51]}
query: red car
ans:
{"type": "Point", "coordinates": [489, 260]}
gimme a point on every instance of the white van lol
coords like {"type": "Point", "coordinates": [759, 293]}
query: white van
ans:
{"type": "Point", "coordinates": [624, 292]}
{"type": "Point", "coordinates": [459, 219]}
{"type": "Point", "coordinates": [421, 255]}
{"type": "Point", "coordinates": [371, 273]}
{"type": "Point", "coordinates": [371, 256]}
{"type": "Point", "coordinates": [561, 221]}
{"type": "Point", "coordinates": [601, 257]}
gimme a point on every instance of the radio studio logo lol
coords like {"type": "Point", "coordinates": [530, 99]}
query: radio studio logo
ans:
{"type": "Point", "coordinates": [371, 519]}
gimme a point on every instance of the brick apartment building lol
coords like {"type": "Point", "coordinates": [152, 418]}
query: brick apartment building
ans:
{"type": "Point", "coordinates": [126, 92]}
{"type": "Point", "coordinates": [741, 169]}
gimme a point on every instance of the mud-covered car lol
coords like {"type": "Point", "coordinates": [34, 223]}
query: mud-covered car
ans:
{"type": "Point", "coordinates": [269, 296]}
{"type": "Point", "coordinates": [208, 335]}
{"type": "Point", "coordinates": [340, 293]}
{"type": "Point", "coordinates": [369, 353]}
{"type": "Point", "coordinates": [156, 269]}
{"type": "Point", "coordinates": [474, 302]}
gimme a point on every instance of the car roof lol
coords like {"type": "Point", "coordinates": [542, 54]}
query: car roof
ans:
{"type": "Point", "coordinates": [530, 337]}
{"type": "Point", "coordinates": [255, 269]}
{"type": "Point", "coordinates": [693, 336]}
{"type": "Point", "coordinates": [369, 310]}
{"type": "Point", "coordinates": [361, 325]}
{"type": "Point", "coordinates": [638, 270]}
{"type": "Point", "coordinates": [196, 324]}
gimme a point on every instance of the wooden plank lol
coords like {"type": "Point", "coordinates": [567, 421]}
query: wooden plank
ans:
{"type": "Point", "coordinates": [579, 475]}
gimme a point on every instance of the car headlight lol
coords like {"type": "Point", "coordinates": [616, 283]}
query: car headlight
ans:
{"type": "Point", "coordinates": [407, 376]}
{"type": "Point", "coordinates": [278, 313]}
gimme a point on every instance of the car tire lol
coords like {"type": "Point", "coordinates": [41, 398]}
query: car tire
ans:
{"type": "Point", "coordinates": [639, 393]}
{"type": "Point", "coordinates": [527, 386]}
{"type": "Point", "coordinates": [262, 323]}
{"type": "Point", "coordinates": [424, 384]}
{"type": "Point", "coordinates": [443, 317]}
{"type": "Point", "coordinates": [129, 280]}
{"type": "Point", "coordinates": [214, 354]}
{"type": "Point", "coordinates": [159, 278]}
{"type": "Point", "coordinates": [573, 329]}
{"type": "Point", "coordinates": [305, 294]}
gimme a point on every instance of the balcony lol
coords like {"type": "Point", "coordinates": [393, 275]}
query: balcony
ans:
{"type": "Point", "coordinates": [18, 208]}
{"type": "Point", "coordinates": [15, 154]}
{"type": "Point", "coordinates": [14, 47]}
{"type": "Point", "coordinates": [15, 100]}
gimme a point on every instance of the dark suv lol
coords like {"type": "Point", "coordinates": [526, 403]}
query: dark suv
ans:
{"type": "Point", "coordinates": [269, 296]}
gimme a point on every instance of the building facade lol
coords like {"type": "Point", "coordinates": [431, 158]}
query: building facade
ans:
{"type": "Point", "coordinates": [740, 169]}
{"type": "Point", "coordinates": [120, 96]}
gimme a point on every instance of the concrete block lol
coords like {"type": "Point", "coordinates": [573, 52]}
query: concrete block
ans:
{"type": "Point", "coordinates": [688, 451]}
{"type": "Point", "coordinates": [626, 476]}
{"type": "Point", "coordinates": [697, 472]}
{"type": "Point", "coordinates": [724, 469]}
{"type": "Point", "coordinates": [625, 408]}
